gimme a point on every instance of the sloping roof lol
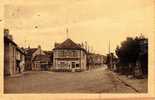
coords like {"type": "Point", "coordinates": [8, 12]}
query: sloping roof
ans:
{"type": "Point", "coordinates": [68, 44]}
{"type": "Point", "coordinates": [41, 58]}
{"type": "Point", "coordinates": [48, 52]}
{"type": "Point", "coordinates": [21, 50]}
{"type": "Point", "coordinates": [31, 51]}
{"type": "Point", "coordinates": [6, 39]}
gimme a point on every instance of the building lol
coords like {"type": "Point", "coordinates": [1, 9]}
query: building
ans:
{"type": "Point", "coordinates": [94, 59]}
{"type": "Point", "coordinates": [69, 56]}
{"type": "Point", "coordinates": [31, 53]}
{"type": "Point", "coordinates": [49, 54]}
{"type": "Point", "coordinates": [14, 57]}
{"type": "Point", "coordinates": [41, 63]}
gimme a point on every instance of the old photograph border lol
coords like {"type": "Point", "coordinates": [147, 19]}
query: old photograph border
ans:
{"type": "Point", "coordinates": [83, 96]}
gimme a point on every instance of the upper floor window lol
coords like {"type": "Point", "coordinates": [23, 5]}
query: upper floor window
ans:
{"type": "Point", "coordinates": [60, 53]}
{"type": "Point", "coordinates": [74, 53]}
{"type": "Point", "coordinates": [67, 53]}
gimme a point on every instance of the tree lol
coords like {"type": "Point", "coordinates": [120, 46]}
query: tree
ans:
{"type": "Point", "coordinates": [129, 52]}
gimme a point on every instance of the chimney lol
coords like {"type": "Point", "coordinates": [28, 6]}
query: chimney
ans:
{"type": "Point", "coordinates": [29, 47]}
{"type": "Point", "coordinates": [6, 32]}
{"type": "Point", "coordinates": [56, 44]}
{"type": "Point", "coordinates": [39, 46]}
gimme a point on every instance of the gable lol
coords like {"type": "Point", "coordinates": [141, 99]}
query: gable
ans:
{"type": "Point", "coordinates": [69, 44]}
{"type": "Point", "coordinates": [38, 52]}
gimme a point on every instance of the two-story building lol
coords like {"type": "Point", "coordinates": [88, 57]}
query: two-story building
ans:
{"type": "Point", "coordinates": [41, 63]}
{"type": "Point", "coordinates": [94, 59]}
{"type": "Point", "coordinates": [31, 54]}
{"type": "Point", "coordinates": [14, 56]}
{"type": "Point", "coordinates": [69, 56]}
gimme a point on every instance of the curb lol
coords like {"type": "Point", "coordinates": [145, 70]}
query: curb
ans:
{"type": "Point", "coordinates": [125, 83]}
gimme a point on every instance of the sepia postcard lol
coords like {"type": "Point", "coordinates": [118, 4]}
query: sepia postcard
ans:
{"type": "Point", "coordinates": [77, 49]}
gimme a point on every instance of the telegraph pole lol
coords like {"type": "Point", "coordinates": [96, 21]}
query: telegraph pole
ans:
{"type": "Point", "coordinates": [110, 57]}
{"type": "Point", "coordinates": [109, 47]}
{"type": "Point", "coordinates": [25, 44]}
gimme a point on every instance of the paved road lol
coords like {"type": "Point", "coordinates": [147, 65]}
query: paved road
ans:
{"type": "Point", "coordinates": [95, 81]}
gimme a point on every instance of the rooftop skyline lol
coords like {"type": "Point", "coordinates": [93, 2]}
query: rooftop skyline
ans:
{"type": "Point", "coordinates": [94, 21]}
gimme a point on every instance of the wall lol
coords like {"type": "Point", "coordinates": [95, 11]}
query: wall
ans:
{"type": "Point", "coordinates": [6, 59]}
{"type": "Point", "coordinates": [83, 60]}
{"type": "Point", "coordinates": [12, 58]}
{"type": "Point", "coordinates": [11, 54]}
{"type": "Point", "coordinates": [37, 52]}
{"type": "Point", "coordinates": [77, 56]}
{"type": "Point", "coordinates": [22, 59]}
{"type": "Point", "coordinates": [66, 53]}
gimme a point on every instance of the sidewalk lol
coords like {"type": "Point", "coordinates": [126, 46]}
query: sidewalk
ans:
{"type": "Point", "coordinates": [139, 85]}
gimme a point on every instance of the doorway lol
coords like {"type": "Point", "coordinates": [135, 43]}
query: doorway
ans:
{"type": "Point", "coordinates": [73, 66]}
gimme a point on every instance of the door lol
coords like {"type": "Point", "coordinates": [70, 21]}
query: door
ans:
{"type": "Point", "coordinates": [73, 66]}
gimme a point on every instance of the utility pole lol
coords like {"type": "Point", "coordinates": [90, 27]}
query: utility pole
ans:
{"type": "Point", "coordinates": [25, 44]}
{"type": "Point", "coordinates": [109, 46]}
{"type": "Point", "coordinates": [86, 47]}
{"type": "Point", "coordinates": [110, 57]}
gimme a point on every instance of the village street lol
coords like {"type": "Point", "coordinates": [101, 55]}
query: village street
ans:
{"type": "Point", "coordinates": [98, 80]}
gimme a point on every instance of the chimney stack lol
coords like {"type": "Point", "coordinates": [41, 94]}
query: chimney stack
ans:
{"type": "Point", "coordinates": [6, 32]}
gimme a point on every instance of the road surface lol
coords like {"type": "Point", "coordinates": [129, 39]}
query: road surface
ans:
{"type": "Point", "coordinates": [98, 80]}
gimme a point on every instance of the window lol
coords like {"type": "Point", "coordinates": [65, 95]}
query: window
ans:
{"type": "Point", "coordinates": [62, 53]}
{"type": "Point", "coordinates": [73, 64]}
{"type": "Point", "coordinates": [77, 65]}
{"type": "Point", "coordinates": [75, 53]}
{"type": "Point", "coordinates": [62, 64]}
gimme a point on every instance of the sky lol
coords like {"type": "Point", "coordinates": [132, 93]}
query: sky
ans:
{"type": "Point", "coordinates": [94, 21]}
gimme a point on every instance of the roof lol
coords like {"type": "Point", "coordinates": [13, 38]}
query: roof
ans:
{"type": "Point", "coordinates": [48, 52]}
{"type": "Point", "coordinates": [42, 58]}
{"type": "Point", "coordinates": [69, 44]}
{"type": "Point", "coordinates": [21, 50]}
{"type": "Point", "coordinates": [95, 54]}
{"type": "Point", "coordinates": [6, 39]}
{"type": "Point", "coordinates": [31, 50]}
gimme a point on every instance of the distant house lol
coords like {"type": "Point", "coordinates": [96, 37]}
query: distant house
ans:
{"type": "Point", "coordinates": [31, 53]}
{"type": "Point", "coordinates": [49, 54]}
{"type": "Point", "coordinates": [69, 56]}
{"type": "Point", "coordinates": [41, 62]}
{"type": "Point", "coordinates": [95, 59]}
{"type": "Point", "coordinates": [14, 57]}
